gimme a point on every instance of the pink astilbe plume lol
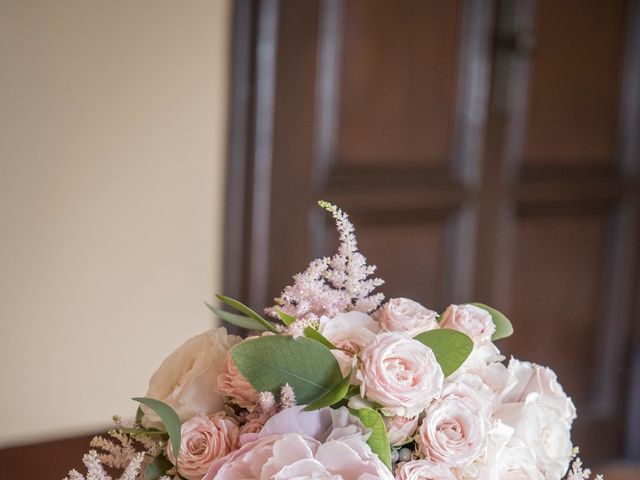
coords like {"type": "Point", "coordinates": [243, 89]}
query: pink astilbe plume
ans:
{"type": "Point", "coordinates": [331, 285]}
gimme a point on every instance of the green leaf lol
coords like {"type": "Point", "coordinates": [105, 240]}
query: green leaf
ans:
{"type": "Point", "coordinates": [241, 307]}
{"type": "Point", "coordinates": [237, 320]}
{"type": "Point", "coordinates": [379, 439]}
{"type": "Point", "coordinates": [169, 418]}
{"type": "Point", "coordinates": [269, 362]}
{"type": "Point", "coordinates": [450, 347]}
{"type": "Point", "coordinates": [334, 396]}
{"type": "Point", "coordinates": [286, 319]}
{"type": "Point", "coordinates": [504, 328]}
{"type": "Point", "coordinates": [158, 468]}
{"type": "Point", "coordinates": [311, 332]}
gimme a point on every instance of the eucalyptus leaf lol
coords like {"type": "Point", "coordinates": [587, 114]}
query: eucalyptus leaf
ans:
{"type": "Point", "coordinates": [286, 319]}
{"type": "Point", "coordinates": [272, 361]}
{"type": "Point", "coordinates": [158, 468]}
{"type": "Point", "coordinates": [504, 328]}
{"type": "Point", "coordinates": [450, 347]}
{"type": "Point", "coordinates": [169, 418]}
{"type": "Point", "coordinates": [379, 439]}
{"type": "Point", "coordinates": [241, 307]}
{"type": "Point", "coordinates": [334, 396]}
{"type": "Point", "coordinates": [311, 332]}
{"type": "Point", "coordinates": [241, 321]}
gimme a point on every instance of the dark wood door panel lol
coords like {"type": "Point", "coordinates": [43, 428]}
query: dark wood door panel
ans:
{"type": "Point", "coordinates": [555, 295]}
{"type": "Point", "coordinates": [574, 84]}
{"type": "Point", "coordinates": [411, 78]}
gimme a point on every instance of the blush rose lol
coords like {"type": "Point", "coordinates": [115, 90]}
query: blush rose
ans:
{"type": "Point", "coordinates": [469, 319]}
{"type": "Point", "coordinates": [404, 315]}
{"type": "Point", "coordinates": [203, 441]}
{"type": "Point", "coordinates": [399, 373]}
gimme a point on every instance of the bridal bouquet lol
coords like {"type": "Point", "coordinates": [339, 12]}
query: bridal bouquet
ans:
{"type": "Point", "coordinates": [334, 383]}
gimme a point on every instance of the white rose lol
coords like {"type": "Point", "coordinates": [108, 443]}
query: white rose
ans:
{"type": "Point", "coordinates": [186, 380]}
{"type": "Point", "coordinates": [484, 362]}
{"type": "Point", "coordinates": [351, 331]}
{"type": "Point", "coordinates": [507, 459]}
{"type": "Point", "coordinates": [517, 463]}
{"type": "Point", "coordinates": [469, 319]}
{"type": "Point", "coordinates": [544, 430]}
{"type": "Point", "coordinates": [404, 315]}
{"type": "Point", "coordinates": [529, 378]}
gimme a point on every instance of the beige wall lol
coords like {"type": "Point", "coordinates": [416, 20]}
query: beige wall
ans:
{"type": "Point", "coordinates": [112, 128]}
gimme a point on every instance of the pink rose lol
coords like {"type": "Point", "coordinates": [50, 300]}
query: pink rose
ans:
{"type": "Point", "coordinates": [204, 440]}
{"type": "Point", "coordinates": [531, 378]}
{"type": "Point", "coordinates": [294, 456]}
{"type": "Point", "coordinates": [404, 315]}
{"type": "Point", "coordinates": [423, 470]}
{"type": "Point", "coordinates": [400, 429]}
{"type": "Point", "coordinates": [469, 319]}
{"type": "Point", "coordinates": [232, 384]}
{"type": "Point", "coordinates": [454, 430]}
{"type": "Point", "coordinates": [399, 373]}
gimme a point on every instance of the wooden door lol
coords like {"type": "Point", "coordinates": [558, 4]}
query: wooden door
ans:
{"type": "Point", "coordinates": [485, 150]}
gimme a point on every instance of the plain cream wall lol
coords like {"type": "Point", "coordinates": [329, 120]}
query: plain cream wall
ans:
{"type": "Point", "coordinates": [112, 129]}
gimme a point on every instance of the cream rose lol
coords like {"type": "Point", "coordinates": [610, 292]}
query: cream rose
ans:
{"type": "Point", "coordinates": [400, 429]}
{"type": "Point", "coordinates": [543, 429]}
{"type": "Point", "coordinates": [454, 430]}
{"type": "Point", "coordinates": [530, 378]}
{"type": "Point", "coordinates": [186, 380]}
{"type": "Point", "coordinates": [204, 440]}
{"type": "Point", "coordinates": [423, 470]}
{"type": "Point", "coordinates": [469, 319]}
{"type": "Point", "coordinates": [399, 373]}
{"type": "Point", "coordinates": [404, 315]}
{"type": "Point", "coordinates": [232, 384]}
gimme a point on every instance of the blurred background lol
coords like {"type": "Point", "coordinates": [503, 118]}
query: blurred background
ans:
{"type": "Point", "coordinates": [154, 153]}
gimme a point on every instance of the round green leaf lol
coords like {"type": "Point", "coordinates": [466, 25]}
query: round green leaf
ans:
{"type": "Point", "coordinates": [272, 361]}
{"type": "Point", "coordinates": [450, 347]}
